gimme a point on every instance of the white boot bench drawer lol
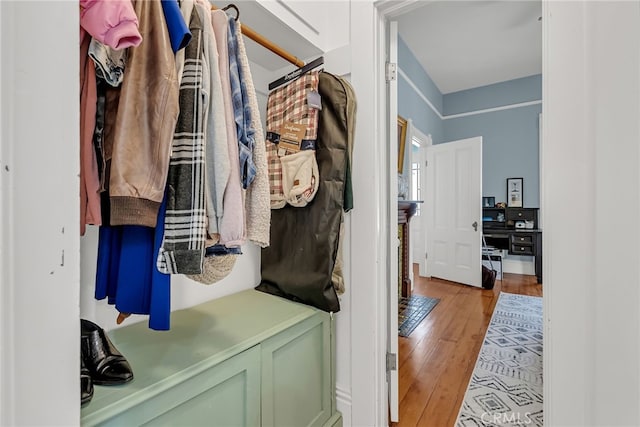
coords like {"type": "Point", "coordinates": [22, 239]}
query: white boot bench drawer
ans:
{"type": "Point", "coordinates": [247, 359]}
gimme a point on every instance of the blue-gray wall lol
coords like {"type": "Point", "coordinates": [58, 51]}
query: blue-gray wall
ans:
{"type": "Point", "coordinates": [510, 136]}
{"type": "Point", "coordinates": [410, 104]}
{"type": "Point", "coordinates": [496, 95]}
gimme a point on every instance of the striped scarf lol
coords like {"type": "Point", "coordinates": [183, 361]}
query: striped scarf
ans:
{"type": "Point", "coordinates": [182, 251]}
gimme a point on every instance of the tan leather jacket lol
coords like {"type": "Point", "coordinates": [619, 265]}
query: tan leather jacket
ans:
{"type": "Point", "coordinates": [144, 125]}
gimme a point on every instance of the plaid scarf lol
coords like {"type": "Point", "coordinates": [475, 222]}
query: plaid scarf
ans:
{"type": "Point", "coordinates": [182, 251]}
{"type": "Point", "coordinates": [241, 110]}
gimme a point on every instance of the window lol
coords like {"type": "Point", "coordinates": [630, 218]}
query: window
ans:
{"type": "Point", "coordinates": [416, 191]}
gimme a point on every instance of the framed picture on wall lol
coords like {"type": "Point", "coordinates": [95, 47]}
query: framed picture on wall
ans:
{"type": "Point", "coordinates": [515, 195]}
{"type": "Point", "coordinates": [488, 202]}
{"type": "Point", "coordinates": [402, 136]}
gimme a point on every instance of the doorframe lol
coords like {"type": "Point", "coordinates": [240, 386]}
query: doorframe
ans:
{"type": "Point", "coordinates": [391, 54]}
{"type": "Point", "coordinates": [385, 10]}
{"type": "Point", "coordinates": [422, 151]}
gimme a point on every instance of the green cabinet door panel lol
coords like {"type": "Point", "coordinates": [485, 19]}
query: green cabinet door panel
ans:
{"type": "Point", "coordinates": [296, 375]}
{"type": "Point", "coordinates": [230, 396]}
{"type": "Point", "coordinates": [225, 395]}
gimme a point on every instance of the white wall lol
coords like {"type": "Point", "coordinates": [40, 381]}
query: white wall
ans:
{"type": "Point", "coordinates": [368, 257]}
{"type": "Point", "coordinates": [591, 153]}
{"type": "Point", "coordinates": [568, 166]}
{"type": "Point", "coordinates": [5, 387]}
{"type": "Point", "coordinates": [39, 360]}
{"type": "Point", "coordinates": [614, 76]}
{"type": "Point", "coordinates": [325, 24]}
{"type": "Point", "coordinates": [184, 291]}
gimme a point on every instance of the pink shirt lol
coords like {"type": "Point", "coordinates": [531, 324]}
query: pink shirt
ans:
{"type": "Point", "coordinates": [112, 22]}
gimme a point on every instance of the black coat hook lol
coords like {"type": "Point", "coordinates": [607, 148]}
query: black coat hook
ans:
{"type": "Point", "coordinates": [234, 7]}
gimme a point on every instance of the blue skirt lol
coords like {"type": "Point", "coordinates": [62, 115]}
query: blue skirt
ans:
{"type": "Point", "coordinates": [127, 275]}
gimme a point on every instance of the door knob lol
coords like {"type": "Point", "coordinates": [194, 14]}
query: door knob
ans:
{"type": "Point", "coordinates": [475, 225]}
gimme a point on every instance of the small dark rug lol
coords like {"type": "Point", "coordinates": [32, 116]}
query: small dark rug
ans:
{"type": "Point", "coordinates": [411, 311]}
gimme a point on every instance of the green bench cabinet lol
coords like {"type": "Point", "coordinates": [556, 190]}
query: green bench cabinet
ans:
{"type": "Point", "coordinates": [247, 359]}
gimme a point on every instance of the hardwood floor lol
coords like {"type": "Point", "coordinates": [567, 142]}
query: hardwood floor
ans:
{"type": "Point", "coordinates": [437, 359]}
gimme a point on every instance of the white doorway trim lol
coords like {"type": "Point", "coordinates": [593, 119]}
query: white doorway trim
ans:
{"type": "Point", "coordinates": [369, 317]}
{"type": "Point", "coordinates": [418, 247]}
{"type": "Point", "coordinates": [393, 241]}
{"type": "Point", "coordinates": [370, 221]}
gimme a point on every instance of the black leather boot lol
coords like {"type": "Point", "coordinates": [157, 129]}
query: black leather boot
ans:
{"type": "Point", "coordinates": [106, 364]}
{"type": "Point", "coordinates": [86, 385]}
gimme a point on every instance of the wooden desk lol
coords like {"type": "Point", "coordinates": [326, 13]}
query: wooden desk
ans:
{"type": "Point", "coordinates": [500, 229]}
{"type": "Point", "coordinates": [518, 242]}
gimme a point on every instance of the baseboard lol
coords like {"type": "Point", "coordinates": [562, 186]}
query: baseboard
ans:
{"type": "Point", "coordinates": [518, 265]}
{"type": "Point", "coordinates": [343, 404]}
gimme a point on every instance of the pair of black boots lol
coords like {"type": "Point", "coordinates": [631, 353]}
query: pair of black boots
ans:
{"type": "Point", "coordinates": [100, 362]}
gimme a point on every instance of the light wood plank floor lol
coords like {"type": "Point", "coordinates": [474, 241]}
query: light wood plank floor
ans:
{"type": "Point", "coordinates": [437, 359]}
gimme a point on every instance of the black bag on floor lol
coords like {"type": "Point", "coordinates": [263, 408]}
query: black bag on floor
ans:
{"type": "Point", "coordinates": [488, 274]}
{"type": "Point", "coordinates": [488, 278]}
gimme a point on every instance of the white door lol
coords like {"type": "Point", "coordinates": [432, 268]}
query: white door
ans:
{"type": "Point", "coordinates": [454, 211]}
{"type": "Point", "coordinates": [393, 243]}
{"type": "Point", "coordinates": [419, 144]}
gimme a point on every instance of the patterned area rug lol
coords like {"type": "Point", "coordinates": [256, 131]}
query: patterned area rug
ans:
{"type": "Point", "coordinates": [411, 311]}
{"type": "Point", "coordinates": [506, 386]}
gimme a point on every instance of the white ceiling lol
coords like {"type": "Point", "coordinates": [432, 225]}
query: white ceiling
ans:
{"type": "Point", "coordinates": [255, 16]}
{"type": "Point", "coordinates": [467, 44]}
